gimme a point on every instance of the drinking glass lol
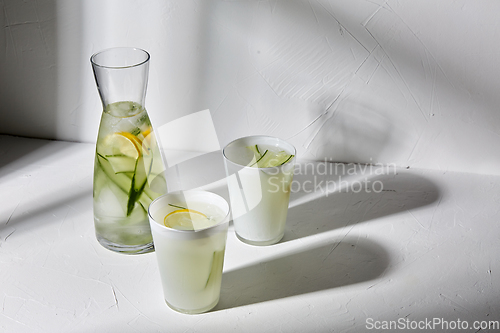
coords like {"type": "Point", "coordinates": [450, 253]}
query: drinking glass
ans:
{"type": "Point", "coordinates": [259, 196]}
{"type": "Point", "coordinates": [190, 260]}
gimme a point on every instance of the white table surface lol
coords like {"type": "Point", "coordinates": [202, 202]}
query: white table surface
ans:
{"type": "Point", "coordinates": [425, 249]}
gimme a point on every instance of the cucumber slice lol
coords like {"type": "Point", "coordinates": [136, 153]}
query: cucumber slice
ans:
{"type": "Point", "coordinates": [288, 159]}
{"type": "Point", "coordinates": [139, 180]}
{"type": "Point", "coordinates": [123, 181]}
{"type": "Point", "coordinates": [136, 131]}
{"type": "Point", "coordinates": [121, 163]}
{"type": "Point", "coordinates": [177, 206]}
{"type": "Point", "coordinates": [120, 179]}
{"type": "Point", "coordinates": [255, 150]}
{"type": "Point", "coordinates": [270, 157]}
{"type": "Point", "coordinates": [145, 201]}
{"type": "Point", "coordinates": [274, 159]}
{"type": "Point", "coordinates": [259, 159]}
{"type": "Point", "coordinates": [157, 184]}
{"type": "Point", "coordinates": [217, 264]}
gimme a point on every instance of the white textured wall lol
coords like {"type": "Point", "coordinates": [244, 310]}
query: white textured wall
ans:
{"type": "Point", "coordinates": [408, 82]}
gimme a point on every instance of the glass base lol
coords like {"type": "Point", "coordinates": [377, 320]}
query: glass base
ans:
{"type": "Point", "coordinates": [261, 243]}
{"type": "Point", "coordinates": [193, 311]}
{"type": "Point", "coordinates": [126, 249]}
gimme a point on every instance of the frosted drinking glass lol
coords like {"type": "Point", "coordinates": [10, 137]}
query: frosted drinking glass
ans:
{"type": "Point", "coordinates": [190, 256]}
{"type": "Point", "coordinates": [259, 196]}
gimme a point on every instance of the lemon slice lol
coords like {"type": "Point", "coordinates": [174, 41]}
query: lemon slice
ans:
{"type": "Point", "coordinates": [147, 142]}
{"type": "Point", "coordinates": [122, 143]}
{"type": "Point", "coordinates": [147, 131]}
{"type": "Point", "coordinates": [187, 219]}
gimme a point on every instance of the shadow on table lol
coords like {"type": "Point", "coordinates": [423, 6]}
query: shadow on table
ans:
{"type": "Point", "coordinates": [310, 270]}
{"type": "Point", "coordinates": [354, 199]}
{"type": "Point", "coordinates": [14, 148]}
{"type": "Point", "coordinates": [39, 205]}
{"type": "Point", "coordinates": [34, 214]}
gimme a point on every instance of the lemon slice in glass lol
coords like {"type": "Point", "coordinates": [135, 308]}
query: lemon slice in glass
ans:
{"type": "Point", "coordinates": [187, 219]}
{"type": "Point", "coordinates": [147, 135]}
{"type": "Point", "coordinates": [122, 143]}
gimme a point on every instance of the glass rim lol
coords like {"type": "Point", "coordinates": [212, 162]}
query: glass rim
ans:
{"type": "Point", "coordinates": [294, 151]}
{"type": "Point", "coordinates": [164, 227]}
{"type": "Point", "coordinates": [95, 63]}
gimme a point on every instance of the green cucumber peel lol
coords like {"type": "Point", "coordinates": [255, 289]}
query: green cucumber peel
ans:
{"type": "Point", "coordinates": [288, 159]}
{"type": "Point", "coordinates": [217, 259]}
{"type": "Point", "coordinates": [136, 131]}
{"type": "Point", "coordinates": [176, 206]}
{"type": "Point", "coordinates": [114, 177]}
{"type": "Point", "coordinates": [101, 156]}
{"type": "Point", "coordinates": [260, 158]}
{"type": "Point", "coordinates": [135, 191]}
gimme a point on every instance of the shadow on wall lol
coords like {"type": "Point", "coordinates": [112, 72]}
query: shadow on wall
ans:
{"type": "Point", "coordinates": [40, 81]}
{"type": "Point", "coordinates": [349, 82]}
{"type": "Point", "coordinates": [357, 133]}
{"type": "Point", "coordinates": [390, 98]}
{"type": "Point", "coordinates": [301, 58]}
{"type": "Point", "coordinates": [313, 269]}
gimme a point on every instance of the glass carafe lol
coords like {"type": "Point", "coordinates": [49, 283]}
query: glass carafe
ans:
{"type": "Point", "coordinates": [128, 168]}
